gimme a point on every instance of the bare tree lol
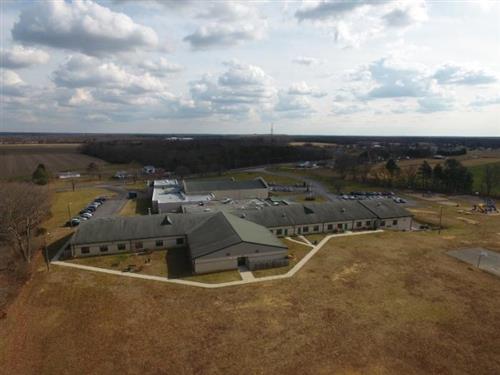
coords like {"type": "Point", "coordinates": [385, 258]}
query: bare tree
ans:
{"type": "Point", "coordinates": [23, 206]}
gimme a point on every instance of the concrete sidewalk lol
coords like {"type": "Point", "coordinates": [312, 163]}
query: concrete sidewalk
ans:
{"type": "Point", "coordinates": [249, 280]}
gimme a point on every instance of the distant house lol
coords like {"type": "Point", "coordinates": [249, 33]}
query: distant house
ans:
{"type": "Point", "coordinates": [67, 175]}
{"type": "Point", "coordinates": [148, 169]}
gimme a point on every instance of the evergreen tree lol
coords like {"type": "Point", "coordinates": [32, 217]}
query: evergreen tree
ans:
{"type": "Point", "coordinates": [425, 172]}
{"type": "Point", "coordinates": [40, 175]}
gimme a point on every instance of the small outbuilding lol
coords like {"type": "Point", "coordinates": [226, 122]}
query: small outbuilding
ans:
{"type": "Point", "coordinates": [225, 242]}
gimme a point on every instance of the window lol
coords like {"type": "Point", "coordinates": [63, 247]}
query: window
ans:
{"type": "Point", "coordinates": [359, 224]}
{"type": "Point", "coordinates": [394, 222]}
{"type": "Point", "coordinates": [121, 246]}
{"type": "Point", "coordinates": [159, 243]}
{"type": "Point", "coordinates": [382, 223]}
{"type": "Point", "coordinates": [279, 232]}
{"type": "Point", "coordinates": [368, 223]}
{"type": "Point", "coordinates": [316, 228]}
{"type": "Point", "coordinates": [286, 232]}
{"type": "Point", "coordinates": [179, 241]}
{"type": "Point", "coordinates": [103, 248]}
{"type": "Point", "coordinates": [138, 245]}
{"type": "Point", "coordinates": [85, 250]}
{"type": "Point", "coordinates": [330, 226]}
{"type": "Point", "coordinates": [339, 226]}
{"type": "Point", "coordinates": [257, 250]}
{"type": "Point", "coordinates": [228, 254]}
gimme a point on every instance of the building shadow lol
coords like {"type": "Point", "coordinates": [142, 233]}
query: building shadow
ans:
{"type": "Point", "coordinates": [178, 263]}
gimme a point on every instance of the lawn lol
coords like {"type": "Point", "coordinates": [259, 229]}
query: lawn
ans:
{"type": "Point", "coordinates": [295, 251]}
{"type": "Point", "coordinates": [385, 303]}
{"type": "Point", "coordinates": [166, 263]}
{"type": "Point", "coordinates": [478, 173]}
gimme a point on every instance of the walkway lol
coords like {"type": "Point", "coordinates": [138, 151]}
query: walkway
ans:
{"type": "Point", "coordinates": [245, 273]}
{"type": "Point", "coordinates": [290, 273]}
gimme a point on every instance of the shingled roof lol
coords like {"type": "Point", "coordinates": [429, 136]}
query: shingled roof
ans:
{"type": "Point", "coordinates": [310, 213]}
{"type": "Point", "coordinates": [385, 208]}
{"type": "Point", "coordinates": [207, 186]}
{"type": "Point", "coordinates": [111, 229]}
{"type": "Point", "coordinates": [223, 230]}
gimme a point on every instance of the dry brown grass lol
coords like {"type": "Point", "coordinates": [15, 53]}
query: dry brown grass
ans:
{"type": "Point", "coordinates": [389, 303]}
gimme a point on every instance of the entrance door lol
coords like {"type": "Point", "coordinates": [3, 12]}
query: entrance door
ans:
{"type": "Point", "coordinates": [242, 261]}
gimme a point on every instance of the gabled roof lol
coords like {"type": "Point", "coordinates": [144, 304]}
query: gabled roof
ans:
{"type": "Point", "coordinates": [310, 213]}
{"type": "Point", "coordinates": [194, 186]}
{"type": "Point", "coordinates": [385, 208]}
{"type": "Point", "coordinates": [111, 229]}
{"type": "Point", "coordinates": [223, 230]}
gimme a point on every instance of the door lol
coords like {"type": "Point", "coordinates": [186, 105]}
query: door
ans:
{"type": "Point", "coordinates": [242, 261]}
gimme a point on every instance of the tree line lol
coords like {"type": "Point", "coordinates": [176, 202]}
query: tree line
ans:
{"type": "Point", "coordinates": [203, 155]}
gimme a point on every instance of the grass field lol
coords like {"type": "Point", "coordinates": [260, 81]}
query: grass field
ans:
{"type": "Point", "coordinates": [295, 251]}
{"type": "Point", "coordinates": [478, 172]}
{"type": "Point", "coordinates": [21, 160]}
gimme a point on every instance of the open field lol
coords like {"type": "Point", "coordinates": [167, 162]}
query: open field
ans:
{"type": "Point", "coordinates": [393, 304]}
{"type": "Point", "coordinates": [21, 160]}
{"type": "Point", "coordinates": [478, 172]}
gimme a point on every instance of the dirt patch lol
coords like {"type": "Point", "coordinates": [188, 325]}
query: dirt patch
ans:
{"type": "Point", "coordinates": [468, 221]}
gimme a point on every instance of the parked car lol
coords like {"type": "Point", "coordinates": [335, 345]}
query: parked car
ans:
{"type": "Point", "coordinates": [83, 218]}
{"type": "Point", "coordinates": [91, 208]}
{"type": "Point", "coordinates": [74, 222]}
{"type": "Point", "coordinates": [88, 215]}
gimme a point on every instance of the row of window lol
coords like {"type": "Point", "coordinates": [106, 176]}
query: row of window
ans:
{"type": "Point", "coordinates": [340, 226]}
{"type": "Point", "coordinates": [121, 246]}
{"type": "Point", "coordinates": [394, 222]}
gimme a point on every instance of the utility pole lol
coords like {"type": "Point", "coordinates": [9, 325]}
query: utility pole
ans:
{"type": "Point", "coordinates": [69, 211]}
{"type": "Point", "coordinates": [440, 219]}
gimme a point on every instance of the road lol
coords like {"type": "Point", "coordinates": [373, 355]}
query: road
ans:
{"type": "Point", "coordinates": [112, 206]}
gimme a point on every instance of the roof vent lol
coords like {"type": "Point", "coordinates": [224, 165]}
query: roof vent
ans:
{"type": "Point", "coordinates": [166, 221]}
{"type": "Point", "coordinates": [243, 215]}
{"type": "Point", "coordinates": [308, 210]}
{"type": "Point", "coordinates": [379, 204]}
{"type": "Point", "coordinates": [283, 215]}
{"type": "Point", "coordinates": [342, 209]}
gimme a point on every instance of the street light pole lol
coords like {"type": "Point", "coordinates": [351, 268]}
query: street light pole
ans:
{"type": "Point", "coordinates": [440, 219]}
{"type": "Point", "coordinates": [69, 211]}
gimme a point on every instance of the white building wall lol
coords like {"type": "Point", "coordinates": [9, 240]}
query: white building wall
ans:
{"type": "Point", "coordinates": [402, 223]}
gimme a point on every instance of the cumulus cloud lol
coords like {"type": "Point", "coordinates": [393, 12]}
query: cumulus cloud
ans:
{"type": "Point", "coordinates": [453, 73]}
{"type": "Point", "coordinates": [82, 26]}
{"type": "Point", "coordinates": [354, 22]}
{"type": "Point", "coordinates": [294, 105]}
{"type": "Point", "coordinates": [484, 101]}
{"type": "Point", "coordinates": [12, 84]}
{"type": "Point", "coordinates": [302, 88]}
{"type": "Point", "coordinates": [19, 57]}
{"type": "Point", "coordinates": [223, 35]}
{"type": "Point", "coordinates": [241, 89]}
{"type": "Point", "coordinates": [85, 71]}
{"type": "Point", "coordinates": [160, 67]}
{"type": "Point", "coordinates": [303, 60]}
{"type": "Point", "coordinates": [228, 24]}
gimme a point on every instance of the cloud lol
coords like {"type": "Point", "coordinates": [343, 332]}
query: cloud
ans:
{"type": "Point", "coordinates": [12, 84]}
{"type": "Point", "coordinates": [217, 35]}
{"type": "Point", "coordinates": [294, 105]}
{"type": "Point", "coordinates": [85, 71]}
{"type": "Point", "coordinates": [354, 22]}
{"type": "Point", "coordinates": [303, 60]}
{"type": "Point", "coordinates": [435, 104]}
{"type": "Point", "coordinates": [452, 73]}
{"type": "Point", "coordinates": [19, 57]}
{"type": "Point", "coordinates": [240, 90]}
{"type": "Point", "coordinates": [82, 26]}
{"type": "Point", "coordinates": [484, 101]}
{"type": "Point", "coordinates": [228, 11]}
{"type": "Point", "coordinates": [302, 88]}
{"type": "Point", "coordinates": [344, 109]}
{"type": "Point", "coordinates": [160, 67]}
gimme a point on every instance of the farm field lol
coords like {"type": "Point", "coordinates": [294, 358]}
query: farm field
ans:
{"type": "Point", "coordinates": [21, 160]}
{"type": "Point", "coordinates": [390, 303]}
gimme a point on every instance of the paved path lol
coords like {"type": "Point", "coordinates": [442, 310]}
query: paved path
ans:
{"type": "Point", "coordinates": [290, 273]}
{"type": "Point", "coordinates": [299, 242]}
{"type": "Point", "coordinates": [245, 273]}
{"type": "Point", "coordinates": [305, 240]}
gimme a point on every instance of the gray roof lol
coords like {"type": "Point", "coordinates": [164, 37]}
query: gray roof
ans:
{"type": "Point", "coordinates": [385, 208]}
{"type": "Point", "coordinates": [207, 186]}
{"type": "Point", "coordinates": [311, 213]}
{"type": "Point", "coordinates": [112, 229]}
{"type": "Point", "coordinates": [223, 230]}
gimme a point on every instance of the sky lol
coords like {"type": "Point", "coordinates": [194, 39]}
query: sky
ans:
{"type": "Point", "coordinates": [357, 67]}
